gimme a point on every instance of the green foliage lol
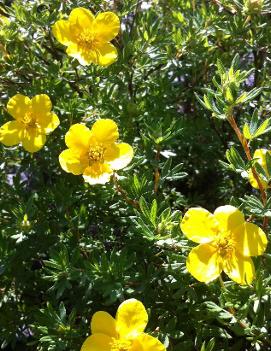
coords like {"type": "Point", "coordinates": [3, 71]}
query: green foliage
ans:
{"type": "Point", "coordinates": [68, 249]}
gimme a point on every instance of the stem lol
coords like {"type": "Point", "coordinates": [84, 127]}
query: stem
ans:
{"type": "Point", "coordinates": [123, 193]}
{"type": "Point", "coordinates": [246, 148]}
{"type": "Point", "coordinates": [157, 171]}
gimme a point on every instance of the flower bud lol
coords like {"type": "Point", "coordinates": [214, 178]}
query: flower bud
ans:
{"type": "Point", "coordinates": [253, 5]}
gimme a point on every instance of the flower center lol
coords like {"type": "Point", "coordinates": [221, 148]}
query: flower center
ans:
{"type": "Point", "coordinates": [96, 153]}
{"type": "Point", "coordinates": [29, 120]}
{"type": "Point", "coordinates": [120, 345]}
{"type": "Point", "coordinates": [225, 245]}
{"type": "Point", "coordinates": [86, 39]}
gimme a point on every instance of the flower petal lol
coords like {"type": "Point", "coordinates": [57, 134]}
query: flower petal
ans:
{"type": "Point", "coordinates": [203, 263]}
{"type": "Point", "coordinates": [103, 323]}
{"type": "Point", "coordinates": [49, 122]}
{"type": "Point", "coordinates": [33, 140]}
{"type": "Point", "coordinates": [97, 342]}
{"type": "Point", "coordinates": [145, 342]}
{"type": "Point", "coordinates": [228, 217]}
{"type": "Point", "coordinates": [61, 31]}
{"type": "Point", "coordinates": [260, 155]}
{"type": "Point", "coordinates": [97, 173]}
{"type": "Point", "coordinates": [119, 155]}
{"type": "Point", "coordinates": [41, 105]}
{"type": "Point", "coordinates": [240, 269]}
{"type": "Point", "coordinates": [250, 240]}
{"type": "Point", "coordinates": [10, 133]}
{"type": "Point", "coordinates": [199, 225]}
{"type": "Point", "coordinates": [106, 54]}
{"type": "Point", "coordinates": [131, 318]}
{"type": "Point", "coordinates": [18, 106]}
{"type": "Point", "coordinates": [78, 137]}
{"type": "Point", "coordinates": [81, 17]}
{"type": "Point", "coordinates": [107, 26]}
{"type": "Point", "coordinates": [70, 161]}
{"type": "Point", "coordinates": [105, 131]}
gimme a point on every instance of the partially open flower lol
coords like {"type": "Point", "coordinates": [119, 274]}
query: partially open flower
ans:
{"type": "Point", "coordinates": [226, 243]}
{"type": "Point", "coordinates": [123, 333]}
{"type": "Point", "coordinates": [260, 156]}
{"type": "Point", "coordinates": [94, 152]}
{"type": "Point", "coordinates": [253, 5]}
{"type": "Point", "coordinates": [88, 37]}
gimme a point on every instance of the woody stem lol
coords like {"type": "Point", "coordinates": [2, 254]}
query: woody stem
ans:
{"type": "Point", "coordinates": [123, 193]}
{"type": "Point", "coordinates": [246, 148]}
{"type": "Point", "coordinates": [157, 171]}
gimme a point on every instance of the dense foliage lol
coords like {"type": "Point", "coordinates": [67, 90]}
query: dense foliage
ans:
{"type": "Point", "coordinates": [185, 69]}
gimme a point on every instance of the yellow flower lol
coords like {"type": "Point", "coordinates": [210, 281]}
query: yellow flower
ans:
{"type": "Point", "coordinates": [33, 120]}
{"type": "Point", "coordinates": [95, 153]}
{"type": "Point", "coordinates": [226, 243]}
{"type": "Point", "coordinates": [260, 155]}
{"type": "Point", "coordinates": [123, 333]}
{"type": "Point", "coordinates": [88, 37]}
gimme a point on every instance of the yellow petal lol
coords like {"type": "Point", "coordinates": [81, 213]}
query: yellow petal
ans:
{"type": "Point", "coordinates": [203, 263]}
{"type": "Point", "coordinates": [229, 217]}
{"type": "Point", "coordinates": [61, 31]}
{"type": "Point", "coordinates": [106, 54]}
{"type": "Point", "coordinates": [97, 173]}
{"type": "Point", "coordinates": [131, 318]}
{"type": "Point", "coordinates": [240, 269]}
{"type": "Point", "coordinates": [199, 225]}
{"type": "Point", "coordinates": [105, 131]}
{"type": "Point", "coordinates": [119, 155]}
{"type": "Point", "coordinates": [145, 342]}
{"type": "Point", "coordinates": [78, 137]}
{"type": "Point", "coordinates": [103, 323]}
{"type": "Point", "coordinates": [260, 155]}
{"type": "Point", "coordinates": [254, 183]}
{"type": "Point", "coordinates": [18, 106]}
{"type": "Point", "coordinates": [49, 122]}
{"type": "Point", "coordinates": [107, 26]}
{"type": "Point", "coordinates": [97, 342]}
{"type": "Point", "coordinates": [41, 104]}
{"type": "Point", "coordinates": [70, 161]}
{"type": "Point", "coordinates": [81, 17]}
{"type": "Point", "coordinates": [250, 240]}
{"type": "Point", "coordinates": [33, 140]}
{"type": "Point", "coordinates": [11, 133]}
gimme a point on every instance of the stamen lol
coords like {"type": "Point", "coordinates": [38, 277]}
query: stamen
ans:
{"type": "Point", "coordinates": [96, 153]}
{"type": "Point", "coordinates": [120, 345]}
{"type": "Point", "coordinates": [29, 120]}
{"type": "Point", "coordinates": [86, 39]}
{"type": "Point", "coordinates": [225, 245]}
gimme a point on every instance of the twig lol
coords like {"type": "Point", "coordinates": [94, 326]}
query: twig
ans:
{"type": "Point", "coordinates": [157, 170]}
{"type": "Point", "coordinates": [123, 193]}
{"type": "Point", "coordinates": [246, 148]}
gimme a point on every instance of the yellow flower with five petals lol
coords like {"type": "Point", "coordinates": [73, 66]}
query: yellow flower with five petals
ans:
{"type": "Point", "coordinates": [33, 120]}
{"type": "Point", "coordinates": [226, 243]}
{"type": "Point", "coordinates": [123, 333]}
{"type": "Point", "coordinates": [94, 152]}
{"type": "Point", "coordinates": [88, 37]}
